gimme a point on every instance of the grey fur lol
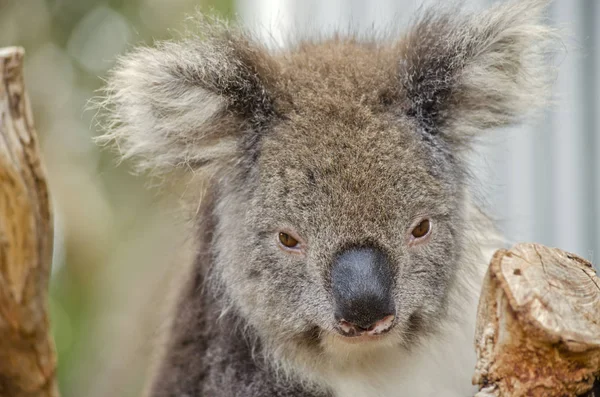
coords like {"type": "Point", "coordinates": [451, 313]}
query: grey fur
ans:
{"type": "Point", "coordinates": [344, 142]}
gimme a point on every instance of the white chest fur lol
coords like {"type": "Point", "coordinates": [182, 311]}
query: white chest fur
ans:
{"type": "Point", "coordinates": [439, 368]}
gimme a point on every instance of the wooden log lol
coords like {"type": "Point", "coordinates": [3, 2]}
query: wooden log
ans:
{"type": "Point", "coordinates": [538, 325]}
{"type": "Point", "coordinates": [27, 357]}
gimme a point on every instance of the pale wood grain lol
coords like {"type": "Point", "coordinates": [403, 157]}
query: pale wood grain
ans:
{"type": "Point", "coordinates": [538, 326]}
{"type": "Point", "coordinates": [27, 357]}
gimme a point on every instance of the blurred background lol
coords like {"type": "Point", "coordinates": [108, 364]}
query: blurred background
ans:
{"type": "Point", "coordinates": [117, 240]}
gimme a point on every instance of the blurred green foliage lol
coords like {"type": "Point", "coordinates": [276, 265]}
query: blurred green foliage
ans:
{"type": "Point", "coordinates": [113, 240]}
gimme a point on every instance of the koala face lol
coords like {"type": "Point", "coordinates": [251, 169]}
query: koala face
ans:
{"type": "Point", "coordinates": [352, 221]}
{"type": "Point", "coordinates": [339, 165]}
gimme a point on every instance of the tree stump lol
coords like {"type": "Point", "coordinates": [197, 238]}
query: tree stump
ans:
{"type": "Point", "coordinates": [27, 357]}
{"type": "Point", "coordinates": [538, 325]}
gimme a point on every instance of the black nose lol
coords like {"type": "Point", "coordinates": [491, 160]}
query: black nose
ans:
{"type": "Point", "coordinates": [362, 283]}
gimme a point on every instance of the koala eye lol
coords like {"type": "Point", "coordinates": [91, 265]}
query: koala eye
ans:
{"type": "Point", "coordinates": [287, 241]}
{"type": "Point", "coordinates": [422, 229]}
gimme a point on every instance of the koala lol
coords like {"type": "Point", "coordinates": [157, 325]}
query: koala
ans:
{"type": "Point", "coordinates": [339, 250]}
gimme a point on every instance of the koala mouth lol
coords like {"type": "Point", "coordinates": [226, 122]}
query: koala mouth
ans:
{"type": "Point", "coordinates": [374, 330]}
{"type": "Point", "coordinates": [360, 339]}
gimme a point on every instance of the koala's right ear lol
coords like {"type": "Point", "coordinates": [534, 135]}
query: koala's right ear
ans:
{"type": "Point", "coordinates": [462, 73]}
{"type": "Point", "coordinates": [189, 103]}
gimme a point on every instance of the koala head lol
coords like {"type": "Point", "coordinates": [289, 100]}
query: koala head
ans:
{"type": "Point", "coordinates": [338, 166]}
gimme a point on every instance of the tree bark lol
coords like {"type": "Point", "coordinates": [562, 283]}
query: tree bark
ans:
{"type": "Point", "coordinates": [27, 357]}
{"type": "Point", "coordinates": [538, 325]}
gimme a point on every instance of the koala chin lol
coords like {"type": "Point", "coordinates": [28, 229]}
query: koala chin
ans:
{"type": "Point", "coordinates": [338, 250]}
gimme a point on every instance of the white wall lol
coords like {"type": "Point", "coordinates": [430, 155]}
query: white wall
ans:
{"type": "Point", "coordinates": [542, 182]}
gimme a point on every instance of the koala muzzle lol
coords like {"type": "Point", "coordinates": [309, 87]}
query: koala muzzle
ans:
{"type": "Point", "coordinates": [362, 285]}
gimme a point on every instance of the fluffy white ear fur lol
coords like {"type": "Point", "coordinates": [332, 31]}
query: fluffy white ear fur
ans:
{"type": "Point", "coordinates": [185, 103]}
{"type": "Point", "coordinates": [156, 115]}
{"type": "Point", "coordinates": [461, 73]}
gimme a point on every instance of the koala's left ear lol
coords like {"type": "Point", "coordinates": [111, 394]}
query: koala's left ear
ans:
{"type": "Point", "coordinates": [190, 103]}
{"type": "Point", "coordinates": [460, 73]}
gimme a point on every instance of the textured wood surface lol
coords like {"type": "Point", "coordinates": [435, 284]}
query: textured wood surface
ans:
{"type": "Point", "coordinates": [27, 358]}
{"type": "Point", "coordinates": [538, 326]}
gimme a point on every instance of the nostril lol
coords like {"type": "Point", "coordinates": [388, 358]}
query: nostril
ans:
{"type": "Point", "coordinates": [346, 326]}
{"type": "Point", "coordinates": [349, 329]}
